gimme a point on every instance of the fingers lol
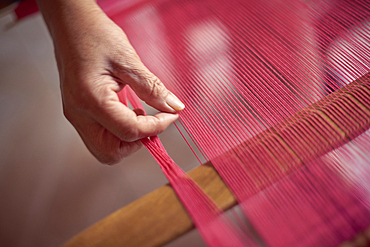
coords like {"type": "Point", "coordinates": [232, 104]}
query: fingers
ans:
{"type": "Point", "coordinates": [109, 129]}
{"type": "Point", "coordinates": [113, 135]}
{"type": "Point", "coordinates": [93, 68]}
{"type": "Point", "coordinates": [147, 86]}
{"type": "Point", "coordinates": [125, 123]}
{"type": "Point", "coordinates": [153, 125]}
{"type": "Point", "coordinates": [150, 89]}
{"type": "Point", "coordinates": [106, 147]}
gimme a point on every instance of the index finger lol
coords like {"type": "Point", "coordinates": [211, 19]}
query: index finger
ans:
{"type": "Point", "coordinates": [125, 124]}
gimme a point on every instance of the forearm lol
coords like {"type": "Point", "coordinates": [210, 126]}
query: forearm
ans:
{"type": "Point", "coordinates": [71, 15]}
{"type": "Point", "coordinates": [75, 27]}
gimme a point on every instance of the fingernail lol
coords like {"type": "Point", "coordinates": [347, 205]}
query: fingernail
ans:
{"type": "Point", "coordinates": [173, 102]}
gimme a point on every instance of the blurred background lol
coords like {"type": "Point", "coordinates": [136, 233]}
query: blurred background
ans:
{"type": "Point", "coordinates": [51, 187]}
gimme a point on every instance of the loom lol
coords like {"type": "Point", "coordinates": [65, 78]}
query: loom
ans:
{"type": "Point", "coordinates": [277, 98]}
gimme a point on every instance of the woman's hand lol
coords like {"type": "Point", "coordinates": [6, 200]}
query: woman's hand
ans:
{"type": "Point", "coordinates": [95, 61]}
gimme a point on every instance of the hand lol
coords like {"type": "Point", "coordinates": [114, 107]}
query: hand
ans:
{"type": "Point", "coordinates": [95, 61]}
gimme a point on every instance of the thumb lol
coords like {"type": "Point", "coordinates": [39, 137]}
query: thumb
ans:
{"type": "Point", "coordinates": [150, 89]}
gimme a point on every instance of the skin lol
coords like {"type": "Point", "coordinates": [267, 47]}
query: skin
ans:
{"type": "Point", "coordinates": [95, 61]}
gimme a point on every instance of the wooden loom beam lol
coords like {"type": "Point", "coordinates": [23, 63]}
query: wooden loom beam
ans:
{"type": "Point", "coordinates": [159, 217]}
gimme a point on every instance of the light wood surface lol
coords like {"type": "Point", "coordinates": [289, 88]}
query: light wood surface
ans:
{"type": "Point", "coordinates": [159, 217]}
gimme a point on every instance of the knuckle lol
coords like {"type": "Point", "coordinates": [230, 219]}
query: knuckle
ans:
{"type": "Point", "coordinates": [156, 86]}
{"type": "Point", "coordinates": [124, 59]}
{"type": "Point", "coordinates": [154, 80]}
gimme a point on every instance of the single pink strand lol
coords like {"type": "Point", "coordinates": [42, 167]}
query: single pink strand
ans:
{"type": "Point", "coordinates": [200, 162]}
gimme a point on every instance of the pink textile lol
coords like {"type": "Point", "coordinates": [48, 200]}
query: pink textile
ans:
{"type": "Point", "coordinates": [242, 67]}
